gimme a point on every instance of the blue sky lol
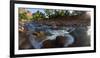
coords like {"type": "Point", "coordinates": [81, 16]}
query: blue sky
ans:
{"type": "Point", "coordinates": [33, 10]}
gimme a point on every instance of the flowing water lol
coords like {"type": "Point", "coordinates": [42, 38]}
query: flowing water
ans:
{"type": "Point", "coordinates": [51, 32]}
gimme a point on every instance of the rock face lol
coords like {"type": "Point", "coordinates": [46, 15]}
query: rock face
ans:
{"type": "Point", "coordinates": [49, 44]}
{"type": "Point", "coordinates": [81, 37]}
{"type": "Point", "coordinates": [60, 41]}
{"type": "Point", "coordinates": [56, 43]}
{"type": "Point", "coordinates": [24, 41]}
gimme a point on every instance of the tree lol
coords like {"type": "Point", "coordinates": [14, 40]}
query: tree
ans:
{"type": "Point", "coordinates": [22, 16]}
{"type": "Point", "coordinates": [25, 16]}
{"type": "Point", "coordinates": [49, 13]}
{"type": "Point", "coordinates": [77, 13]}
{"type": "Point", "coordinates": [38, 15]}
{"type": "Point", "coordinates": [60, 13]}
{"type": "Point", "coordinates": [29, 15]}
{"type": "Point", "coordinates": [54, 13]}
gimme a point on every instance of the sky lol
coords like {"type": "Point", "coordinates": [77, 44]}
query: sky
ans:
{"type": "Point", "coordinates": [33, 10]}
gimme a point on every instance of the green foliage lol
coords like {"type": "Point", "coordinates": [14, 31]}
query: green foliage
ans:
{"type": "Point", "coordinates": [49, 13]}
{"type": "Point", "coordinates": [22, 16]}
{"type": "Point", "coordinates": [38, 15]}
{"type": "Point", "coordinates": [54, 13]}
